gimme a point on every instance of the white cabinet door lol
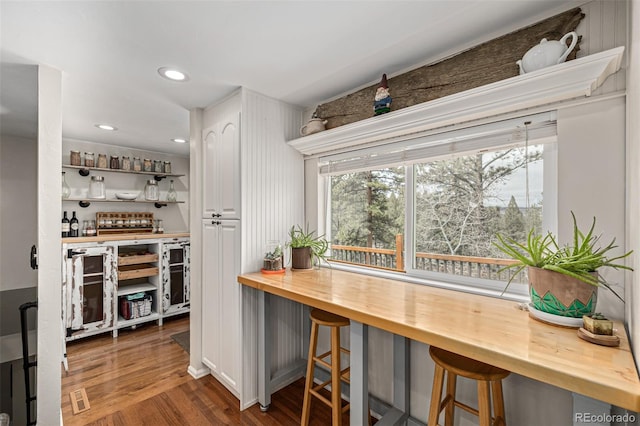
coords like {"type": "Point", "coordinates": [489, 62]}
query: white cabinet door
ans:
{"type": "Point", "coordinates": [221, 169]}
{"type": "Point", "coordinates": [89, 291]}
{"type": "Point", "coordinates": [229, 261]}
{"type": "Point", "coordinates": [221, 300]}
{"type": "Point", "coordinates": [175, 277]}
{"type": "Point", "coordinates": [210, 296]}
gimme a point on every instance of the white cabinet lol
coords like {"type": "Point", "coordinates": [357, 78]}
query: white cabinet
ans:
{"type": "Point", "coordinates": [221, 300]}
{"type": "Point", "coordinates": [221, 169]}
{"type": "Point", "coordinates": [251, 182]}
{"type": "Point", "coordinates": [117, 284]}
{"type": "Point", "coordinates": [88, 290]}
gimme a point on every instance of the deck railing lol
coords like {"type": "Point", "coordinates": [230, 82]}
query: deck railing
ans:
{"type": "Point", "coordinates": [393, 260]}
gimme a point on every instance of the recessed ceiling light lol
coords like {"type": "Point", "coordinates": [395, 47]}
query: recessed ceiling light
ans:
{"type": "Point", "coordinates": [106, 127]}
{"type": "Point", "coordinates": [179, 140]}
{"type": "Point", "coordinates": [172, 74]}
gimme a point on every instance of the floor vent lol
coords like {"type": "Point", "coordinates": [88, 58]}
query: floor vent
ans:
{"type": "Point", "coordinates": [79, 401]}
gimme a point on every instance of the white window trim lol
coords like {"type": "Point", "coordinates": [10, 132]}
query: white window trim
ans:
{"type": "Point", "coordinates": [479, 286]}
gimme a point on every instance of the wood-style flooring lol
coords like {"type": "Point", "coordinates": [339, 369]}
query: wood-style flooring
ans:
{"type": "Point", "coordinates": [140, 378]}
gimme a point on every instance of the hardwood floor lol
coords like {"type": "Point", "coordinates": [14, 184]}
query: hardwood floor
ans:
{"type": "Point", "coordinates": [141, 378]}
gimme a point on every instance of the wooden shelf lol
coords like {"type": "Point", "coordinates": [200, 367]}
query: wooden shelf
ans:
{"type": "Point", "coordinates": [127, 323]}
{"type": "Point", "coordinates": [124, 290]}
{"type": "Point", "coordinates": [143, 270]}
{"type": "Point", "coordinates": [134, 259]}
{"type": "Point", "coordinates": [84, 171]}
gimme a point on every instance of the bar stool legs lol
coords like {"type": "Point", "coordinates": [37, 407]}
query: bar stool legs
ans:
{"type": "Point", "coordinates": [338, 375]}
{"type": "Point", "coordinates": [489, 381]}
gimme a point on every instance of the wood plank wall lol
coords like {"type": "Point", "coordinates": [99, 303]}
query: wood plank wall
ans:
{"type": "Point", "coordinates": [272, 201]}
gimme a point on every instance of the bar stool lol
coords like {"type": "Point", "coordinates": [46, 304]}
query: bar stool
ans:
{"type": "Point", "coordinates": [456, 365]}
{"type": "Point", "coordinates": [318, 318]}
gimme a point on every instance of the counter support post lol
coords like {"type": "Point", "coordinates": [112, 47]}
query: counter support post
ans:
{"type": "Point", "coordinates": [359, 389]}
{"type": "Point", "coordinates": [264, 346]}
{"type": "Point", "coordinates": [401, 376]}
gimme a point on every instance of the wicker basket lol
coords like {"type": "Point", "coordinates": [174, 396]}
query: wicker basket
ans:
{"type": "Point", "coordinates": [131, 309]}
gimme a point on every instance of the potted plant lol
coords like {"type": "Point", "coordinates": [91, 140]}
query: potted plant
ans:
{"type": "Point", "coordinates": [273, 259]}
{"type": "Point", "coordinates": [598, 324]}
{"type": "Point", "coordinates": [305, 247]}
{"type": "Point", "coordinates": [563, 280]}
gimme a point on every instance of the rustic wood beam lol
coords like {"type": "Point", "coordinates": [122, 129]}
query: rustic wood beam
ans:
{"type": "Point", "coordinates": [486, 63]}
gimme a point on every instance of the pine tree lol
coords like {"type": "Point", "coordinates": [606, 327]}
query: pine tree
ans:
{"type": "Point", "coordinates": [513, 222]}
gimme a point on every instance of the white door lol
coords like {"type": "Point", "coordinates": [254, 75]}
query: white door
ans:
{"type": "Point", "coordinates": [221, 300]}
{"type": "Point", "coordinates": [210, 295]}
{"type": "Point", "coordinates": [229, 157]}
{"type": "Point", "coordinates": [210, 172]}
{"type": "Point", "coordinates": [221, 169]}
{"type": "Point", "coordinates": [228, 257]}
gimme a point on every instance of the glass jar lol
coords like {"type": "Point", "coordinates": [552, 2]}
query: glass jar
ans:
{"type": "Point", "coordinates": [151, 191]}
{"type": "Point", "coordinates": [137, 164]}
{"type": "Point", "coordinates": [85, 225]}
{"type": "Point", "coordinates": [91, 228]}
{"type": "Point", "coordinates": [158, 227]}
{"type": "Point", "coordinates": [148, 165]}
{"type": "Point", "coordinates": [172, 196]}
{"type": "Point", "coordinates": [157, 166]}
{"type": "Point", "coordinates": [114, 163]}
{"type": "Point", "coordinates": [74, 158]}
{"type": "Point", "coordinates": [66, 191]}
{"type": "Point", "coordinates": [167, 166]}
{"type": "Point", "coordinates": [96, 188]}
{"type": "Point", "coordinates": [89, 160]}
{"type": "Point", "coordinates": [125, 164]}
{"type": "Point", "coordinates": [102, 161]}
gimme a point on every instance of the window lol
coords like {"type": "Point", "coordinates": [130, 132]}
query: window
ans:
{"type": "Point", "coordinates": [367, 218]}
{"type": "Point", "coordinates": [435, 215]}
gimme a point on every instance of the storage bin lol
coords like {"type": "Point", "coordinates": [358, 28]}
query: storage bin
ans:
{"type": "Point", "coordinates": [135, 305]}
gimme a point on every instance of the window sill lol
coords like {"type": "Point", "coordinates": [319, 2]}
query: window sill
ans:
{"type": "Point", "coordinates": [519, 297]}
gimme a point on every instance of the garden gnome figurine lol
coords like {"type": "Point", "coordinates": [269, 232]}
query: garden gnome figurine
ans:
{"type": "Point", "coordinates": [382, 103]}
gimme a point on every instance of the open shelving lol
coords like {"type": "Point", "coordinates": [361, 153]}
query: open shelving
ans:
{"type": "Point", "coordinates": [84, 171]}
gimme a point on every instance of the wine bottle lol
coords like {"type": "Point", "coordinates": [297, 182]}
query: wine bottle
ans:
{"type": "Point", "coordinates": [65, 225]}
{"type": "Point", "coordinates": [74, 226]}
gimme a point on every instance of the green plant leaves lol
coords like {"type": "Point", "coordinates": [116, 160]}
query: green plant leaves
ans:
{"type": "Point", "coordinates": [579, 260]}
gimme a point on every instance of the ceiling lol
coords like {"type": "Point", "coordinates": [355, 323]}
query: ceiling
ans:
{"type": "Point", "coordinates": [302, 52]}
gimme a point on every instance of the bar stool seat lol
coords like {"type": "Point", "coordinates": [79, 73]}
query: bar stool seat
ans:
{"type": "Point", "coordinates": [487, 376]}
{"type": "Point", "coordinates": [318, 318]}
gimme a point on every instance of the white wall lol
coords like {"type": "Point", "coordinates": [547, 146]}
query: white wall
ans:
{"type": "Point", "coordinates": [49, 262]}
{"type": "Point", "coordinates": [633, 178]}
{"type": "Point", "coordinates": [18, 207]}
{"type": "Point", "coordinates": [175, 216]}
{"type": "Point", "coordinates": [591, 182]}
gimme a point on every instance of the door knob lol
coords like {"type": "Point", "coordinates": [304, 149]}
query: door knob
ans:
{"type": "Point", "coordinates": [33, 258]}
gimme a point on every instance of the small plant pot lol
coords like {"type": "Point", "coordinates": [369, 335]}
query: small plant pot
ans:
{"type": "Point", "coordinates": [272, 264]}
{"type": "Point", "coordinates": [603, 327]}
{"type": "Point", "coordinates": [301, 258]}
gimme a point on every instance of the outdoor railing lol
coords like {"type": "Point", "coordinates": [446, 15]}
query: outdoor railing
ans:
{"type": "Point", "coordinates": [392, 259]}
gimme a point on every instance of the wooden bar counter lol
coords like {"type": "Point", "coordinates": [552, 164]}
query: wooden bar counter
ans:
{"type": "Point", "coordinates": [488, 329]}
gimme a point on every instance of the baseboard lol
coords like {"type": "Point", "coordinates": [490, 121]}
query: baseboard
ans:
{"type": "Point", "coordinates": [198, 373]}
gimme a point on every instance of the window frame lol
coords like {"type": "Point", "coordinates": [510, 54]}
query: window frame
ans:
{"type": "Point", "coordinates": [478, 286]}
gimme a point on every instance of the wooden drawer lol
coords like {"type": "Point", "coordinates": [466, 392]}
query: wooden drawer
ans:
{"type": "Point", "coordinates": [137, 258]}
{"type": "Point", "coordinates": [142, 270]}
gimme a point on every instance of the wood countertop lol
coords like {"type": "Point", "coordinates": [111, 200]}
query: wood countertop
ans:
{"type": "Point", "coordinates": [488, 329]}
{"type": "Point", "coordinates": [125, 237]}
